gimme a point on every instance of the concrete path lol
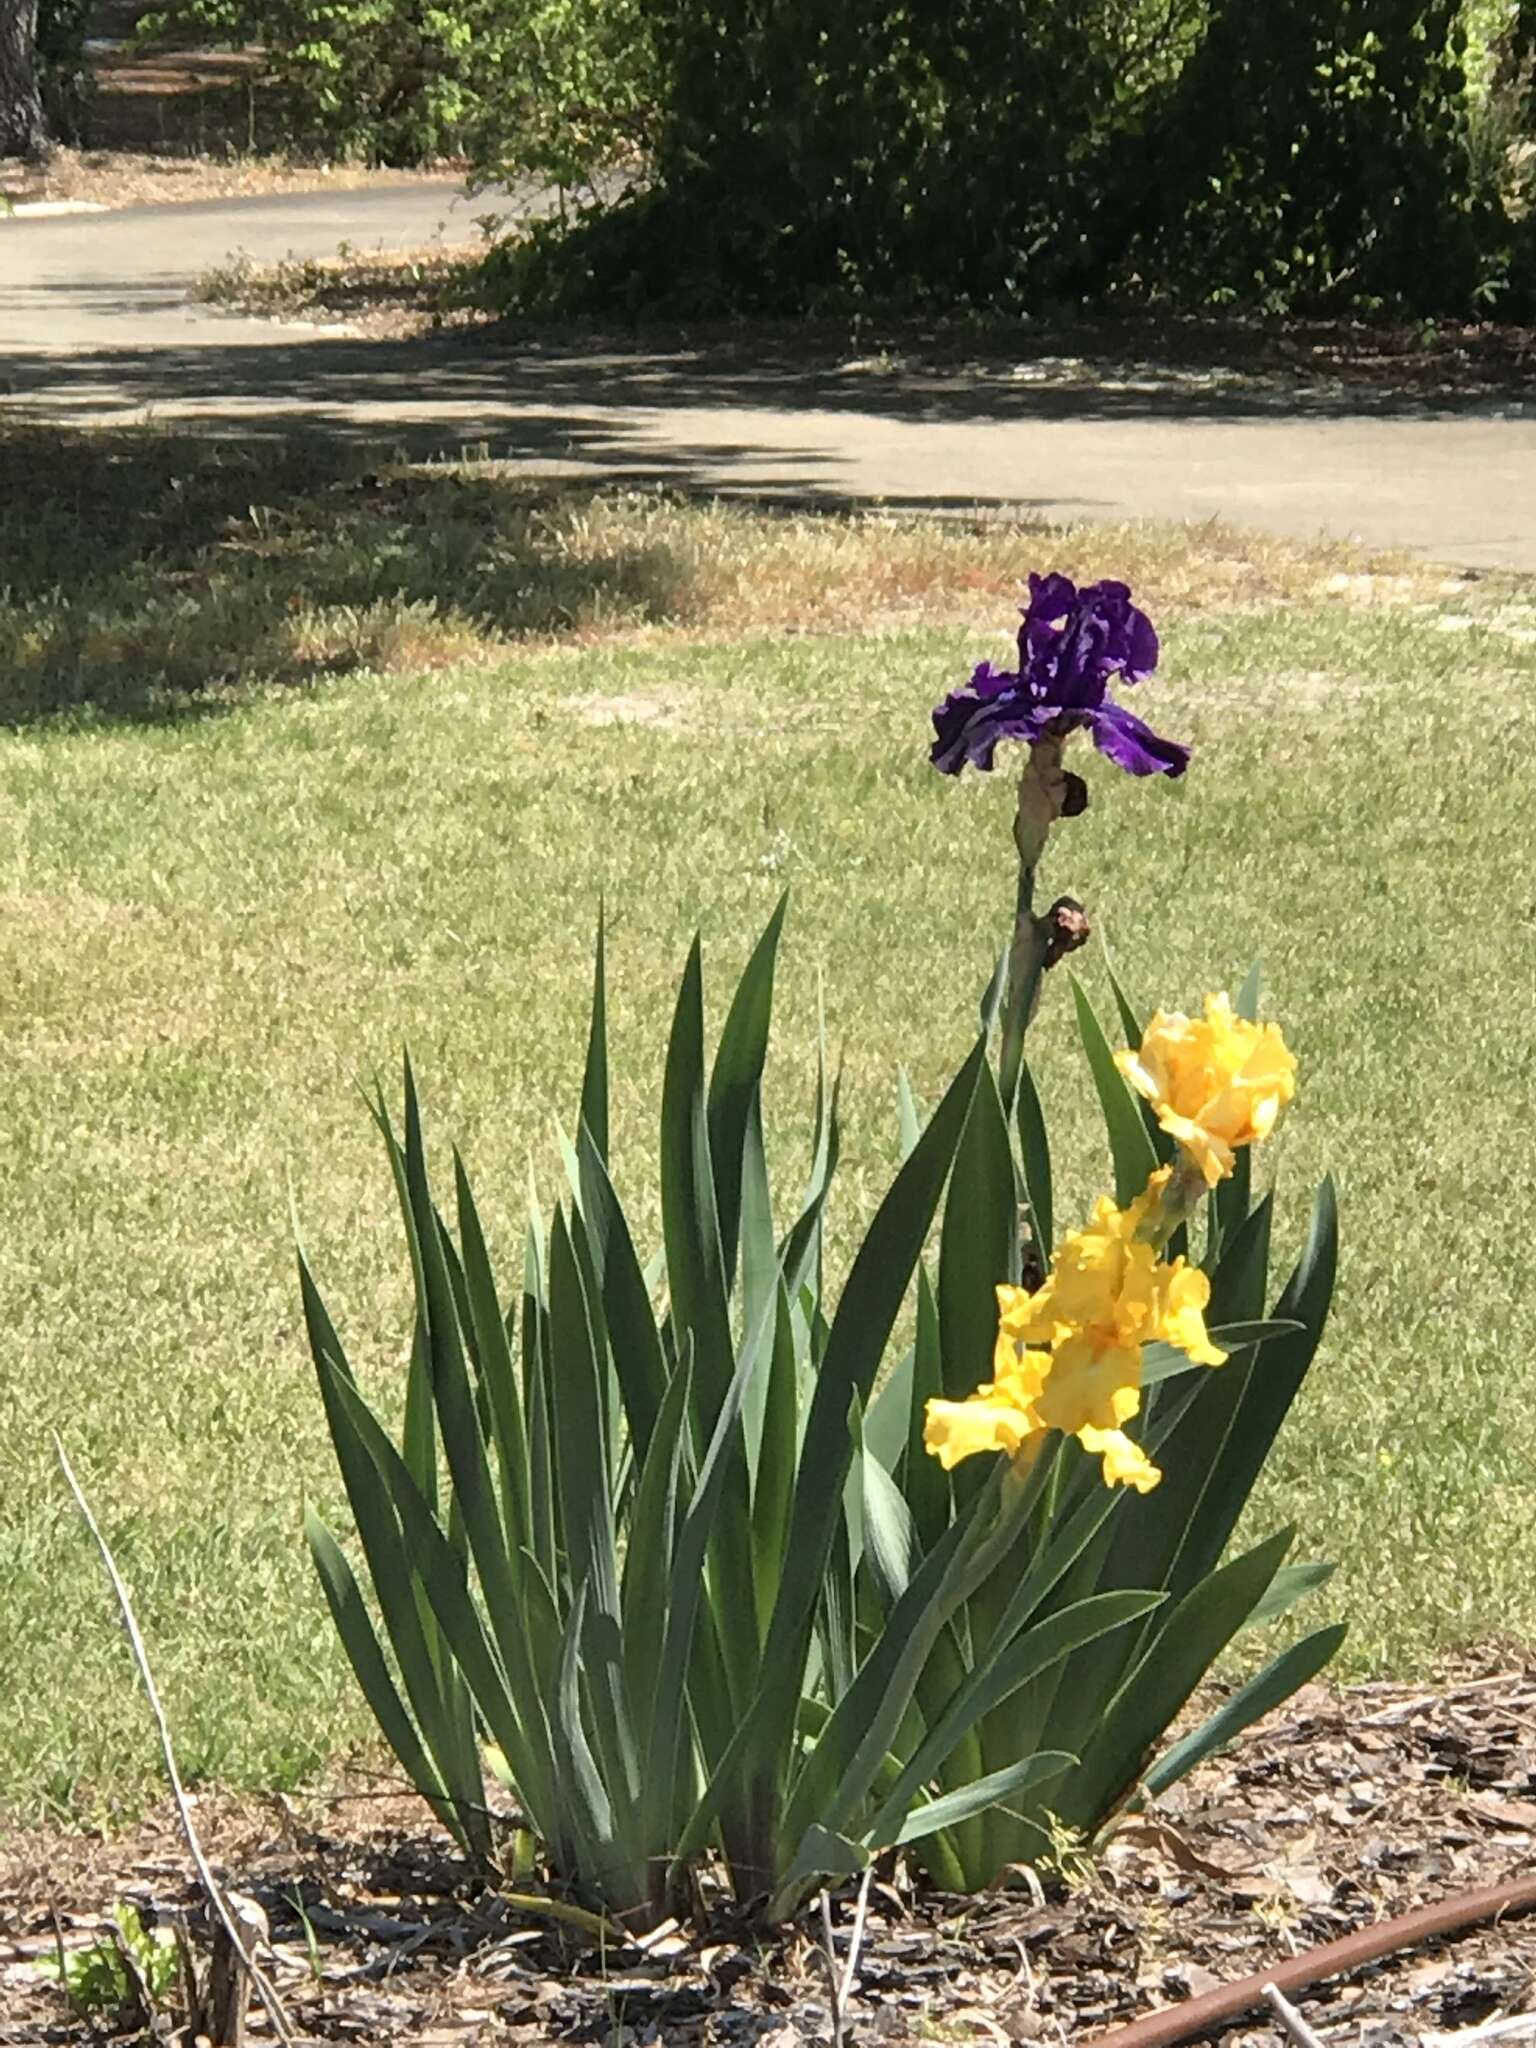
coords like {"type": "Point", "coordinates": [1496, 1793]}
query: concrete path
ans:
{"type": "Point", "coordinates": [95, 325]}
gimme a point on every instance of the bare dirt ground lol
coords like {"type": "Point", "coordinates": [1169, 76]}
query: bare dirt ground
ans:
{"type": "Point", "coordinates": [1343, 1811]}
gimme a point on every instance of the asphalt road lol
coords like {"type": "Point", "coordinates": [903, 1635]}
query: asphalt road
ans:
{"type": "Point", "coordinates": [95, 325]}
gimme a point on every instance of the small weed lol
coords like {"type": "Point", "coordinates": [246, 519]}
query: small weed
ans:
{"type": "Point", "coordinates": [100, 1981]}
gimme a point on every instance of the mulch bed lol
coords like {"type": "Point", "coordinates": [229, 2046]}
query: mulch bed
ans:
{"type": "Point", "coordinates": [1346, 1809]}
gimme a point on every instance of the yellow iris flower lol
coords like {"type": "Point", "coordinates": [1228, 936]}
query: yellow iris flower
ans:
{"type": "Point", "coordinates": [1216, 1082]}
{"type": "Point", "coordinates": [1068, 1354]}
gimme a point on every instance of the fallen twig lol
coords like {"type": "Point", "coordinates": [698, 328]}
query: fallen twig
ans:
{"type": "Point", "coordinates": [835, 1992]}
{"type": "Point", "coordinates": [855, 1939]}
{"type": "Point", "coordinates": [215, 1896]}
{"type": "Point", "coordinates": [1292, 2021]}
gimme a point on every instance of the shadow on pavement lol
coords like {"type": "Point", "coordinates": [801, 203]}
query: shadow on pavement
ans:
{"type": "Point", "coordinates": [569, 402]}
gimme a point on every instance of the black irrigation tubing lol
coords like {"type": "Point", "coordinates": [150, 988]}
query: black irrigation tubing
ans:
{"type": "Point", "coordinates": [1172, 2024]}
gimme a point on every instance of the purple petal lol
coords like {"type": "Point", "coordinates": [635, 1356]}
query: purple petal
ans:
{"type": "Point", "coordinates": [1050, 597]}
{"type": "Point", "coordinates": [1122, 737]}
{"type": "Point", "coordinates": [987, 681]}
{"type": "Point", "coordinates": [1142, 647]}
{"type": "Point", "coordinates": [967, 727]}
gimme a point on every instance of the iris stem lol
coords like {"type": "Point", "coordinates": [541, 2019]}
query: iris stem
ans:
{"type": "Point", "coordinates": [1042, 794]}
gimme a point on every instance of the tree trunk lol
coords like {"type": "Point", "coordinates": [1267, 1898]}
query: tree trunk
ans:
{"type": "Point", "coordinates": [23, 127]}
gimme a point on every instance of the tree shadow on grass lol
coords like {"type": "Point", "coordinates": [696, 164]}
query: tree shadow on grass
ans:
{"type": "Point", "coordinates": [149, 575]}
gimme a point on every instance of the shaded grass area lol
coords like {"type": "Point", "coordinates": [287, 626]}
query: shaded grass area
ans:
{"type": "Point", "coordinates": [210, 927]}
{"type": "Point", "coordinates": [165, 573]}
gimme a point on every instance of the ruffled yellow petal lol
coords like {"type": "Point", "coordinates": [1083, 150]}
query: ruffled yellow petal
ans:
{"type": "Point", "coordinates": [953, 1430]}
{"type": "Point", "coordinates": [1186, 1296]}
{"type": "Point", "coordinates": [1090, 1385]}
{"type": "Point", "coordinates": [1125, 1462]}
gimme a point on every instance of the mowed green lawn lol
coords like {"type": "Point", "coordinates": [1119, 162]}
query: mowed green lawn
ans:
{"type": "Point", "coordinates": [211, 929]}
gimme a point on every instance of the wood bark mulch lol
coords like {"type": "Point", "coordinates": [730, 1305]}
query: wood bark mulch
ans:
{"type": "Point", "coordinates": [1347, 1808]}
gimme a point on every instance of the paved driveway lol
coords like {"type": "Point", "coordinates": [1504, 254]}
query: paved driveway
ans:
{"type": "Point", "coordinates": [95, 325]}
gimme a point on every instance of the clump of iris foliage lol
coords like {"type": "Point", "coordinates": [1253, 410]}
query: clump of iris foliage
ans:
{"type": "Point", "coordinates": [707, 1565]}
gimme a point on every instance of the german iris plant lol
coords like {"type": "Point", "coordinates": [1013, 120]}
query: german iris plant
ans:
{"type": "Point", "coordinates": [708, 1565]}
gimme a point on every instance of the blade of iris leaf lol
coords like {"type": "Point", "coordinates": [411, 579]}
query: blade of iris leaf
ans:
{"type": "Point", "coordinates": [927, 1483]}
{"type": "Point", "coordinates": [837, 1778]}
{"type": "Point", "coordinates": [823, 1854]}
{"type": "Point", "coordinates": [1161, 1362]}
{"type": "Point", "coordinates": [666, 1719]}
{"type": "Point", "coordinates": [498, 1370]}
{"type": "Point", "coordinates": [1291, 1583]}
{"type": "Point", "coordinates": [418, 1435]}
{"type": "Point", "coordinates": [776, 1461]}
{"type": "Point", "coordinates": [1285, 1674]}
{"type": "Point", "coordinates": [978, 1244]}
{"type": "Point", "coordinates": [465, 1315]}
{"type": "Point", "coordinates": [354, 1625]}
{"type": "Point", "coordinates": [890, 1539]}
{"type": "Point", "coordinates": [889, 1420]}
{"type": "Point", "coordinates": [1131, 1150]}
{"type": "Point", "coordinates": [871, 1300]}
{"type": "Point", "coordinates": [690, 1226]}
{"type": "Point", "coordinates": [581, 1465]}
{"type": "Point", "coordinates": [800, 1255]}
{"type": "Point", "coordinates": [601, 1676]}
{"type": "Point", "coordinates": [1175, 1538]}
{"type": "Point", "coordinates": [868, 1710]}
{"type": "Point", "coordinates": [407, 1620]}
{"type": "Point", "coordinates": [835, 1612]}
{"type": "Point", "coordinates": [1035, 1159]}
{"type": "Point", "coordinates": [1149, 1699]}
{"type": "Point", "coordinates": [994, 1680]}
{"type": "Point", "coordinates": [652, 1540]}
{"type": "Point", "coordinates": [700, 1307]}
{"type": "Point", "coordinates": [759, 1279]}
{"type": "Point", "coordinates": [953, 1808]}
{"type": "Point", "coordinates": [442, 1574]}
{"type": "Point", "coordinates": [594, 1080]}
{"type": "Point", "coordinates": [1247, 1003]}
{"type": "Point", "coordinates": [1267, 1391]}
{"type": "Point", "coordinates": [636, 1344]}
{"type": "Point", "coordinates": [535, 1369]}
{"type": "Point", "coordinates": [609, 1397]}
{"type": "Point", "coordinates": [459, 1423]}
{"type": "Point", "coordinates": [736, 1079]}
{"type": "Point", "coordinates": [1131, 1026]}
{"type": "Point", "coordinates": [991, 1007]}
{"type": "Point", "coordinates": [591, 1812]}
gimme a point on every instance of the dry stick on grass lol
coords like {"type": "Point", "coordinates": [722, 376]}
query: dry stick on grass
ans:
{"type": "Point", "coordinates": [216, 1899]}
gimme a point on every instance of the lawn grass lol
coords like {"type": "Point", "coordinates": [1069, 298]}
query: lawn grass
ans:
{"type": "Point", "coordinates": [212, 924]}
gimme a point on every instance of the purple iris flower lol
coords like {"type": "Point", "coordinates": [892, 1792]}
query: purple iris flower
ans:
{"type": "Point", "coordinates": [1072, 645]}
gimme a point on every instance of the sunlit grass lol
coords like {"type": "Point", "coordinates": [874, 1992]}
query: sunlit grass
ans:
{"type": "Point", "coordinates": [211, 928]}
